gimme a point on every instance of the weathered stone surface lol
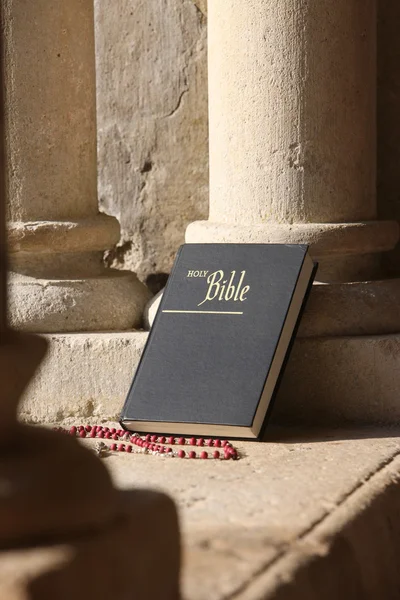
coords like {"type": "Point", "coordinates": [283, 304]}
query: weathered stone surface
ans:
{"type": "Point", "coordinates": [152, 125]}
{"type": "Point", "coordinates": [328, 379]}
{"type": "Point", "coordinates": [341, 379]}
{"type": "Point", "coordinates": [351, 554]}
{"type": "Point", "coordinates": [57, 236]}
{"type": "Point", "coordinates": [84, 376]}
{"type": "Point", "coordinates": [110, 300]}
{"type": "Point", "coordinates": [122, 185]}
{"type": "Point", "coordinates": [302, 499]}
{"type": "Point", "coordinates": [292, 139]}
{"type": "Point", "coordinates": [201, 5]}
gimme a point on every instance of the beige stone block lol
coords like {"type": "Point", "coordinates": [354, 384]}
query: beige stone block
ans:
{"type": "Point", "coordinates": [104, 300]}
{"type": "Point", "coordinates": [83, 377]}
{"type": "Point", "coordinates": [328, 379]}
{"type": "Point", "coordinates": [152, 125]}
{"type": "Point", "coordinates": [341, 379]}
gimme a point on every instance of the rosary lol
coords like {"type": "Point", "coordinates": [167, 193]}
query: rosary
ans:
{"type": "Point", "coordinates": [125, 441]}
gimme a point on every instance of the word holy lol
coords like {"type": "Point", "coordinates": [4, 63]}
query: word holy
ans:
{"type": "Point", "coordinates": [220, 289]}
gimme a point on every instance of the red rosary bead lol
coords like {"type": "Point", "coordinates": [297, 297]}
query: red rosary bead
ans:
{"type": "Point", "coordinates": [153, 442]}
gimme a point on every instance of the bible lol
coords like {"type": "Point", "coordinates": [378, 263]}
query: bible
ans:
{"type": "Point", "coordinates": [220, 340]}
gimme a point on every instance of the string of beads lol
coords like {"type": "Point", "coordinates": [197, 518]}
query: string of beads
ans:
{"type": "Point", "coordinates": [125, 441]}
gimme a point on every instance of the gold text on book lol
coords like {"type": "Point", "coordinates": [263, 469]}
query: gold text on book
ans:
{"type": "Point", "coordinates": [221, 289]}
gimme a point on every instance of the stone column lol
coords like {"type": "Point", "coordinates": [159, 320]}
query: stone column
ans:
{"type": "Point", "coordinates": [292, 90]}
{"type": "Point", "coordinates": [56, 233]}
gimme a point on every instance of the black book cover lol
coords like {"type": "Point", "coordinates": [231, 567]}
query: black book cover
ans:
{"type": "Point", "coordinates": [220, 339]}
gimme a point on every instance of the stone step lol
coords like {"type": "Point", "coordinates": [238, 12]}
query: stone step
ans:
{"type": "Point", "coordinates": [308, 514]}
{"type": "Point", "coordinates": [328, 380]}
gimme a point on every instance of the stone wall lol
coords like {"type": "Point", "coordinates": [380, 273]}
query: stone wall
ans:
{"type": "Point", "coordinates": [152, 123]}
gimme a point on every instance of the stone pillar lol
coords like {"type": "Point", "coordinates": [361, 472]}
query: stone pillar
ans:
{"type": "Point", "coordinates": [292, 94]}
{"type": "Point", "coordinates": [56, 233]}
{"type": "Point", "coordinates": [292, 89]}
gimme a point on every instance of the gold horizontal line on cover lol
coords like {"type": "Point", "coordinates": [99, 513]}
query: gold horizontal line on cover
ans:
{"type": "Point", "coordinates": [203, 312]}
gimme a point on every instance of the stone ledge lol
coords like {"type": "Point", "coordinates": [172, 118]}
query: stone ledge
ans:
{"type": "Point", "coordinates": [110, 299]}
{"type": "Point", "coordinates": [85, 235]}
{"type": "Point", "coordinates": [84, 376]}
{"type": "Point", "coordinates": [352, 553]}
{"type": "Point", "coordinates": [286, 521]}
{"type": "Point", "coordinates": [325, 239]}
{"type": "Point", "coordinates": [328, 379]}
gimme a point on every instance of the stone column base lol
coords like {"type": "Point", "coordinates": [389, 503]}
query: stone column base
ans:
{"type": "Point", "coordinates": [109, 300]}
{"type": "Point", "coordinates": [58, 283]}
{"type": "Point", "coordinates": [344, 251]}
{"type": "Point", "coordinates": [86, 377]}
